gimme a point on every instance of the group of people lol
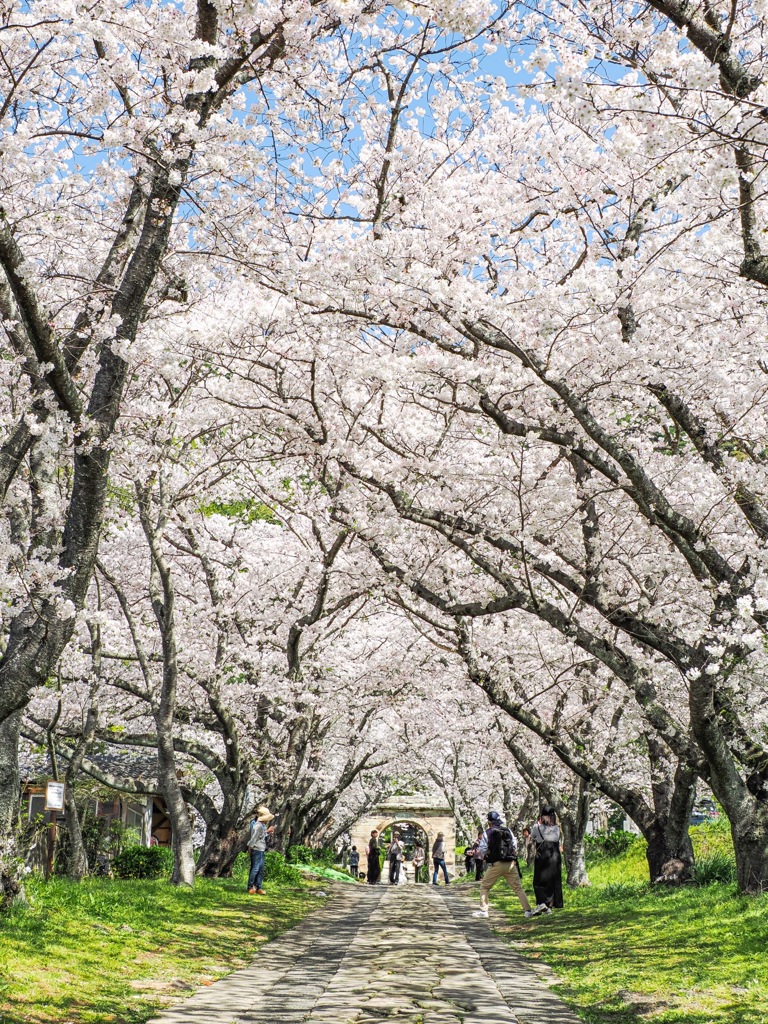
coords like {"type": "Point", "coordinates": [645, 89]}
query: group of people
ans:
{"type": "Point", "coordinates": [496, 848]}
{"type": "Point", "coordinates": [396, 860]}
{"type": "Point", "coordinates": [494, 856]}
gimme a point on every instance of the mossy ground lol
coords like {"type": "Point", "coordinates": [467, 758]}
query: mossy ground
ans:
{"type": "Point", "coordinates": [116, 951]}
{"type": "Point", "coordinates": [626, 952]}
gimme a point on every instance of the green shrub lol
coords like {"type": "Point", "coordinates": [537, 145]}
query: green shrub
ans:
{"type": "Point", "coordinates": [299, 854]}
{"type": "Point", "coordinates": [714, 868]}
{"type": "Point", "coordinates": [277, 870]}
{"type": "Point", "coordinates": [609, 844]}
{"type": "Point", "coordinates": [142, 862]}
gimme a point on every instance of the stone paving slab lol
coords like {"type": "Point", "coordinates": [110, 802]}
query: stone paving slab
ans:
{"type": "Point", "coordinates": [380, 955]}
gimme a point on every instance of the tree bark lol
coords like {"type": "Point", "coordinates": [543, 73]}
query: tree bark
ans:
{"type": "Point", "coordinates": [163, 597]}
{"type": "Point", "coordinates": [9, 776]}
{"type": "Point", "coordinates": [225, 838]}
{"type": "Point", "coordinates": [11, 888]}
{"type": "Point", "coordinates": [668, 834]}
{"type": "Point", "coordinates": [176, 808]}
{"type": "Point", "coordinates": [77, 867]}
{"type": "Point", "coordinates": [574, 821]}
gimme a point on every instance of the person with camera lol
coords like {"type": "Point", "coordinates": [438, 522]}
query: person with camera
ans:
{"type": "Point", "coordinates": [498, 848]}
{"type": "Point", "coordinates": [395, 856]}
{"type": "Point", "coordinates": [258, 835]}
{"type": "Point", "coordinates": [474, 859]}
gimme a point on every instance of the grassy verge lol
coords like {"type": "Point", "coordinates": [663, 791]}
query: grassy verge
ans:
{"type": "Point", "coordinates": [116, 951]}
{"type": "Point", "coordinates": [319, 871]}
{"type": "Point", "coordinates": [625, 952]}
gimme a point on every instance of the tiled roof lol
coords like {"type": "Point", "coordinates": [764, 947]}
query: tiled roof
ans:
{"type": "Point", "coordinates": [35, 767]}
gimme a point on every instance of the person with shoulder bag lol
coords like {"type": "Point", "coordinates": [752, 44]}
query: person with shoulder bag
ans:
{"type": "Point", "coordinates": [499, 849]}
{"type": "Point", "coordinates": [478, 858]}
{"type": "Point", "coordinates": [547, 864]}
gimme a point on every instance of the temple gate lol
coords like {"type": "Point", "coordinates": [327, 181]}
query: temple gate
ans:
{"type": "Point", "coordinates": [429, 815]}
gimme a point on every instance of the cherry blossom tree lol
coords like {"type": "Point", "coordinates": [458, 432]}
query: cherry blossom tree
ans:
{"type": "Point", "coordinates": [521, 307]}
{"type": "Point", "coordinates": [128, 132]}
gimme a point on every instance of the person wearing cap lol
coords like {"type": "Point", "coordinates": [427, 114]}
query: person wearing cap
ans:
{"type": "Point", "coordinates": [495, 847]}
{"type": "Point", "coordinates": [257, 846]}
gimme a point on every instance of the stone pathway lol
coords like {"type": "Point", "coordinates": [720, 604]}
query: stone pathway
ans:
{"type": "Point", "coordinates": [405, 955]}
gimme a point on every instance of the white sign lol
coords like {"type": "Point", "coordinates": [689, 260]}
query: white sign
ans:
{"type": "Point", "coordinates": [54, 796]}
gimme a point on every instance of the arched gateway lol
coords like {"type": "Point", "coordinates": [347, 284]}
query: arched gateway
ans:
{"type": "Point", "coordinates": [427, 814]}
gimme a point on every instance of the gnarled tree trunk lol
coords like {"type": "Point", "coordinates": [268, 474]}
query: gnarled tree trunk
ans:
{"type": "Point", "coordinates": [574, 821]}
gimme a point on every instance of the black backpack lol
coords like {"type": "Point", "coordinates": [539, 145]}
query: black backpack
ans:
{"type": "Point", "coordinates": [502, 846]}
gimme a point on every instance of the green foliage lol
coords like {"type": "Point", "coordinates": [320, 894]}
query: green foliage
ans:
{"type": "Point", "coordinates": [123, 498]}
{"type": "Point", "coordinates": [104, 839]}
{"type": "Point", "coordinates": [333, 874]}
{"type": "Point", "coordinates": [609, 844]}
{"type": "Point", "coordinates": [247, 510]}
{"type": "Point", "coordinates": [142, 862]}
{"type": "Point", "coordinates": [324, 856]}
{"type": "Point", "coordinates": [716, 868]}
{"type": "Point", "coordinates": [279, 871]}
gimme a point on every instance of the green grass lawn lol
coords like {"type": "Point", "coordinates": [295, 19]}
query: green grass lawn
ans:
{"type": "Point", "coordinates": [626, 952]}
{"type": "Point", "coordinates": [116, 951]}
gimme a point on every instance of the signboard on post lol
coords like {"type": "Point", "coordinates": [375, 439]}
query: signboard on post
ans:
{"type": "Point", "coordinates": [54, 796]}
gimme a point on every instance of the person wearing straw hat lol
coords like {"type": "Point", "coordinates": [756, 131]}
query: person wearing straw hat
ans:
{"type": "Point", "coordinates": [257, 845]}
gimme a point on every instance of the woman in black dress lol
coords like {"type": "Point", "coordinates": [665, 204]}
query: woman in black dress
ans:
{"type": "Point", "coordinates": [374, 864]}
{"type": "Point", "coordinates": [547, 864]}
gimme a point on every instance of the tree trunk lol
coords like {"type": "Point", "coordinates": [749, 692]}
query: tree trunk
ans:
{"type": "Point", "coordinates": [670, 850]}
{"type": "Point", "coordinates": [669, 859]}
{"type": "Point", "coordinates": [9, 774]}
{"type": "Point", "coordinates": [750, 842]}
{"type": "Point", "coordinates": [176, 809]}
{"type": "Point", "coordinates": [163, 599]}
{"type": "Point", "coordinates": [78, 858]}
{"type": "Point", "coordinates": [529, 811]}
{"type": "Point", "coordinates": [78, 863]}
{"type": "Point", "coordinates": [576, 863]}
{"type": "Point", "coordinates": [11, 888]}
{"type": "Point", "coordinates": [745, 801]}
{"type": "Point", "coordinates": [218, 859]}
{"type": "Point", "coordinates": [574, 823]}
{"type": "Point", "coordinates": [224, 840]}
